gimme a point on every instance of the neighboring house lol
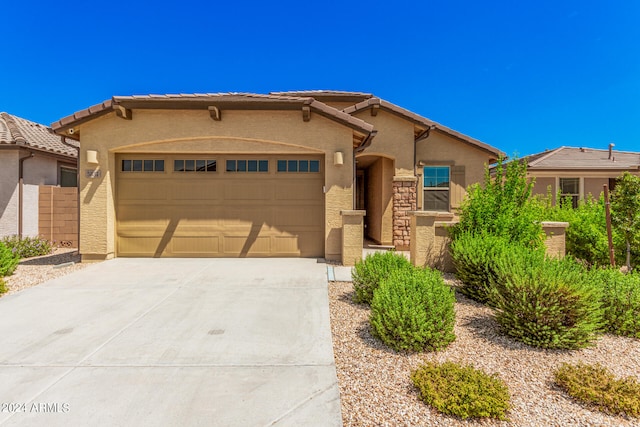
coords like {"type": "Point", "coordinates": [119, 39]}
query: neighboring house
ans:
{"type": "Point", "coordinates": [260, 175]}
{"type": "Point", "coordinates": [579, 172]}
{"type": "Point", "coordinates": [30, 155]}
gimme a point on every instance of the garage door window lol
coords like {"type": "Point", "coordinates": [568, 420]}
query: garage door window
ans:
{"type": "Point", "coordinates": [194, 165]}
{"type": "Point", "coordinates": [142, 165]}
{"type": "Point", "coordinates": [299, 166]}
{"type": "Point", "coordinates": [247, 166]}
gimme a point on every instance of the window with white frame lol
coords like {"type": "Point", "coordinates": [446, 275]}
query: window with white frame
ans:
{"type": "Point", "coordinates": [570, 187]}
{"type": "Point", "coordinates": [437, 185]}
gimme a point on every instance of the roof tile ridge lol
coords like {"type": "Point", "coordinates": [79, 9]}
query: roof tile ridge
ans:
{"type": "Point", "coordinates": [14, 130]}
{"type": "Point", "coordinates": [546, 156]}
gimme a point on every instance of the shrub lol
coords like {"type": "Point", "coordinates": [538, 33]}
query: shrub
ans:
{"type": "Point", "coordinates": [8, 261]}
{"type": "Point", "coordinates": [595, 385]}
{"type": "Point", "coordinates": [546, 302]}
{"type": "Point", "coordinates": [503, 206]}
{"type": "Point", "coordinates": [586, 237]}
{"type": "Point", "coordinates": [368, 273]}
{"type": "Point", "coordinates": [413, 309]}
{"type": "Point", "coordinates": [475, 256]}
{"type": "Point", "coordinates": [621, 301]}
{"type": "Point", "coordinates": [3, 286]}
{"type": "Point", "coordinates": [28, 247]}
{"type": "Point", "coordinates": [462, 390]}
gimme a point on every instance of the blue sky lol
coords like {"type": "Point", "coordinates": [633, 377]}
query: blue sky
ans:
{"type": "Point", "coordinates": [522, 76]}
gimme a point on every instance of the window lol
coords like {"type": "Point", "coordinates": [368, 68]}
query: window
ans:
{"type": "Point", "coordinates": [436, 188]}
{"type": "Point", "coordinates": [143, 166]}
{"type": "Point", "coordinates": [247, 166]}
{"type": "Point", "coordinates": [181, 165]}
{"type": "Point", "coordinates": [299, 166]}
{"type": "Point", "coordinates": [570, 187]}
{"type": "Point", "coordinates": [68, 177]}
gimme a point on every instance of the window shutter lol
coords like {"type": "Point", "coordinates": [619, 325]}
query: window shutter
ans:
{"type": "Point", "coordinates": [458, 185]}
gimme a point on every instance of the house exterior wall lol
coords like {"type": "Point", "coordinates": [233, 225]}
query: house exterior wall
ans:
{"type": "Point", "coordinates": [37, 170]}
{"type": "Point", "coordinates": [172, 131]}
{"type": "Point", "coordinates": [591, 181]}
{"type": "Point", "coordinates": [442, 150]}
{"type": "Point", "coordinates": [9, 192]}
{"type": "Point", "coordinates": [394, 140]}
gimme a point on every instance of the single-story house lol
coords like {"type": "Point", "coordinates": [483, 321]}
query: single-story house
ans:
{"type": "Point", "coordinates": [243, 174]}
{"type": "Point", "coordinates": [30, 155]}
{"type": "Point", "coordinates": [579, 172]}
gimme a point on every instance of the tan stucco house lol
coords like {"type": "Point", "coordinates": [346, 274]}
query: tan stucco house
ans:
{"type": "Point", "coordinates": [31, 155]}
{"type": "Point", "coordinates": [579, 172]}
{"type": "Point", "coordinates": [260, 175]}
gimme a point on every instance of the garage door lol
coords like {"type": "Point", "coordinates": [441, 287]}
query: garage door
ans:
{"type": "Point", "coordinates": [219, 206]}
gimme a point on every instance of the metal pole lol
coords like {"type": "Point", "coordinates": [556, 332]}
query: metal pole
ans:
{"type": "Point", "coordinates": [607, 206]}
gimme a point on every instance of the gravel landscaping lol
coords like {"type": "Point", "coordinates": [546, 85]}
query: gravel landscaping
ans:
{"type": "Point", "coordinates": [33, 271]}
{"type": "Point", "coordinates": [376, 390]}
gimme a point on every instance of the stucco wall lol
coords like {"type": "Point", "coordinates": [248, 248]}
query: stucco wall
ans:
{"type": "Point", "coordinates": [594, 186]}
{"type": "Point", "coordinates": [394, 139]}
{"type": "Point", "coordinates": [30, 210]}
{"type": "Point", "coordinates": [8, 192]}
{"type": "Point", "coordinates": [39, 170]}
{"type": "Point", "coordinates": [194, 131]}
{"type": "Point", "coordinates": [441, 149]}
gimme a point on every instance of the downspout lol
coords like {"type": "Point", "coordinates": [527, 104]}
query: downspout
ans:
{"type": "Point", "coordinates": [359, 149]}
{"type": "Point", "coordinates": [424, 135]}
{"type": "Point", "coordinates": [21, 191]}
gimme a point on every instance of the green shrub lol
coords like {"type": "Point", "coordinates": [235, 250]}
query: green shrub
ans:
{"type": "Point", "coordinates": [8, 260]}
{"type": "Point", "coordinates": [503, 206]}
{"type": "Point", "coordinates": [368, 273]}
{"type": "Point", "coordinates": [621, 301]}
{"type": "Point", "coordinates": [546, 302]}
{"type": "Point", "coordinates": [595, 385]}
{"type": "Point", "coordinates": [475, 256]}
{"type": "Point", "coordinates": [28, 247]}
{"type": "Point", "coordinates": [3, 286]}
{"type": "Point", "coordinates": [586, 237]}
{"type": "Point", "coordinates": [462, 391]}
{"type": "Point", "coordinates": [413, 309]}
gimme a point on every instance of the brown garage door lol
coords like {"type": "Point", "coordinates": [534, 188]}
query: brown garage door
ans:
{"type": "Point", "coordinates": [219, 206]}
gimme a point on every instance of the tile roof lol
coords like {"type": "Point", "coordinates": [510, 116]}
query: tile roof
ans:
{"type": "Point", "coordinates": [583, 158]}
{"type": "Point", "coordinates": [421, 121]}
{"type": "Point", "coordinates": [203, 100]}
{"type": "Point", "coordinates": [18, 131]}
{"type": "Point", "coordinates": [329, 95]}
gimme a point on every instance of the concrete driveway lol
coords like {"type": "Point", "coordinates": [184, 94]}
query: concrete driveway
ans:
{"type": "Point", "coordinates": [153, 342]}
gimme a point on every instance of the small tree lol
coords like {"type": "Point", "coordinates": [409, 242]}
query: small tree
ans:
{"type": "Point", "coordinates": [502, 206]}
{"type": "Point", "coordinates": [625, 210]}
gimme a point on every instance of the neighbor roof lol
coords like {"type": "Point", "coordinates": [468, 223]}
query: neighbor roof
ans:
{"type": "Point", "coordinates": [420, 121]}
{"type": "Point", "coordinates": [205, 100]}
{"type": "Point", "coordinates": [21, 132]}
{"type": "Point", "coordinates": [583, 158]}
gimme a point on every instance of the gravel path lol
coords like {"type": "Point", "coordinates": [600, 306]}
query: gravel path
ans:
{"type": "Point", "coordinates": [33, 271]}
{"type": "Point", "coordinates": [376, 390]}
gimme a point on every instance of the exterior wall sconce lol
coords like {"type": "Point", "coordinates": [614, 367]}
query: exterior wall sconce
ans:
{"type": "Point", "coordinates": [338, 158]}
{"type": "Point", "coordinates": [92, 157]}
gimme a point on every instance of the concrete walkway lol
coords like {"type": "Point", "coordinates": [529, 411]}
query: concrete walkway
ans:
{"type": "Point", "coordinates": [154, 342]}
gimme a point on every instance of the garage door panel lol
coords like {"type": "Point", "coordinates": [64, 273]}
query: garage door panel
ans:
{"type": "Point", "coordinates": [243, 245]}
{"type": "Point", "coordinates": [220, 214]}
{"type": "Point", "coordinates": [195, 245]}
{"type": "Point", "coordinates": [138, 245]}
{"type": "Point", "coordinates": [303, 190]}
{"type": "Point", "coordinates": [198, 190]}
{"type": "Point", "coordinates": [249, 190]}
{"type": "Point", "coordinates": [297, 216]}
{"type": "Point", "coordinates": [133, 190]}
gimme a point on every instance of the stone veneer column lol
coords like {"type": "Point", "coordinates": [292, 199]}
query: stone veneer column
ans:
{"type": "Point", "coordinates": [404, 201]}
